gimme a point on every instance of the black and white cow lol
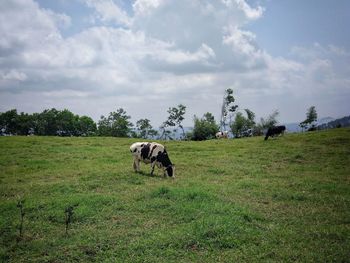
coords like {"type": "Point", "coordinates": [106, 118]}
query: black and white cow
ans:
{"type": "Point", "coordinates": [221, 134]}
{"type": "Point", "coordinates": [274, 131]}
{"type": "Point", "coordinates": [153, 153]}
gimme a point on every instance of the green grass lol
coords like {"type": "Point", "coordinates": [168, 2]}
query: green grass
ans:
{"type": "Point", "coordinates": [245, 200]}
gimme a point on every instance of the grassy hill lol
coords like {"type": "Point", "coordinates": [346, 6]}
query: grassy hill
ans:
{"type": "Point", "coordinates": [243, 200]}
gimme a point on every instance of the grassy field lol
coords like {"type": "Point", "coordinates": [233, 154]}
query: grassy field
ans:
{"type": "Point", "coordinates": [244, 200]}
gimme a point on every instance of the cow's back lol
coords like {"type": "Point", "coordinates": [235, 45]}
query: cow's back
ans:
{"type": "Point", "coordinates": [146, 150]}
{"type": "Point", "coordinates": [136, 147]}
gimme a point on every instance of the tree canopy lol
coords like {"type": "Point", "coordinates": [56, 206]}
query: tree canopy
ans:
{"type": "Point", "coordinates": [241, 125]}
{"type": "Point", "coordinates": [48, 122]}
{"type": "Point", "coordinates": [175, 118]}
{"type": "Point", "coordinates": [204, 128]}
{"type": "Point", "coordinates": [145, 129]}
{"type": "Point", "coordinates": [311, 118]}
{"type": "Point", "coordinates": [117, 124]}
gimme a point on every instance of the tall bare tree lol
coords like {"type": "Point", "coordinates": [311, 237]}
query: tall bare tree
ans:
{"type": "Point", "coordinates": [228, 108]}
{"type": "Point", "coordinates": [311, 118]}
{"type": "Point", "coordinates": [176, 116]}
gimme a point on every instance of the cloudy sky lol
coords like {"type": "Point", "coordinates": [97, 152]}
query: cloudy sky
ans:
{"type": "Point", "coordinates": [95, 56]}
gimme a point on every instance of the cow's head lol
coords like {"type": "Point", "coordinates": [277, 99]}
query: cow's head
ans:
{"type": "Point", "coordinates": [170, 170]}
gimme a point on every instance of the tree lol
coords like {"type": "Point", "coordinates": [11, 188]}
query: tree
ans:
{"type": "Point", "coordinates": [145, 128]}
{"type": "Point", "coordinates": [116, 124]}
{"type": "Point", "coordinates": [250, 118]}
{"type": "Point", "coordinates": [86, 126]}
{"type": "Point", "coordinates": [264, 124]}
{"type": "Point", "coordinates": [24, 124]}
{"type": "Point", "coordinates": [67, 123]}
{"type": "Point", "coordinates": [242, 125]}
{"type": "Point", "coordinates": [46, 122]}
{"type": "Point", "coordinates": [238, 125]}
{"type": "Point", "coordinates": [152, 133]}
{"type": "Point", "coordinates": [204, 128]}
{"type": "Point", "coordinates": [8, 121]}
{"type": "Point", "coordinates": [270, 121]}
{"type": "Point", "coordinates": [311, 118]}
{"type": "Point", "coordinates": [228, 108]}
{"type": "Point", "coordinates": [176, 116]}
{"type": "Point", "coordinates": [104, 126]}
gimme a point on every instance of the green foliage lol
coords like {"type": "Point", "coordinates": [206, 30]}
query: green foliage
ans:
{"type": "Point", "coordinates": [266, 123]}
{"type": "Point", "coordinates": [239, 124]}
{"type": "Point", "coordinates": [204, 128]}
{"type": "Point", "coordinates": [49, 122]}
{"type": "Point", "coordinates": [242, 124]}
{"type": "Point", "coordinates": [116, 124]}
{"type": "Point", "coordinates": [86, 126]}
{"type": "Point", "coordinates": [8, 121]}
{"type": "Point", "coordinates": [24, 124]}
{"type": "Point", "coordinates": [176, 116]}
{"type": "Point", "coordinates": [145, 129]}
{"type": "Point", "coordinates": [246, 200]}
{"type": "Point", "coordinates": [311, 118]}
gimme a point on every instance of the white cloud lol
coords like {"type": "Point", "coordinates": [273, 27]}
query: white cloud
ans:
{"type": "Point", "coordinates": [145, 7]}
{"type": "Point", "coordinates": [13, 75]}
{"type": "Point", "coordinates": [11, 78]}
{"type": "Point", "coordinates": [108, 11]}
{"type": "Point", "coordinates": [179, 57]}
{"type": "Point", "coordinates": [166, 53]}
{"type": "Point", "coordinates": [251, 13]}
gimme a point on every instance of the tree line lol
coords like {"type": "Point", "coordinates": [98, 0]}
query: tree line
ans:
{"type": "Point", "coordinates": [49, 122]}
{"type": "Point", "coordinates": [53, 122]}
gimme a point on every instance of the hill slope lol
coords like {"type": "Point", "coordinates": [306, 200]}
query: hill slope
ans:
{"type": "Point", "coordinates": [247, 200]}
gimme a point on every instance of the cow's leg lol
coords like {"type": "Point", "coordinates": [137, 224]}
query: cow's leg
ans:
{"type": "Point", "coordinates": [152, 167]}
{"type": "Point", "coordinates": [136, 164]}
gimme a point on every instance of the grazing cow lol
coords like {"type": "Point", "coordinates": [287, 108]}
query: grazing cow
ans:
{"type": "Point", "coordinates": [221, 134]}
{"type": "Point", "coordinates": [153, 153]}
{"type": "Point", "coordinates": [274, 131]}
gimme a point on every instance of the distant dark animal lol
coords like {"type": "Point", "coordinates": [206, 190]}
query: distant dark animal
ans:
{"type": "Point", "coordinates": [220, 135]}
{"type": "Point", "coordinates": [153, 153]}
{"type": "Point", "coordinates": [274, 131]}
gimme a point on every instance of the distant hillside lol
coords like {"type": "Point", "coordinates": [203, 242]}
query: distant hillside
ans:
{"type": "Point", "coordinates": [325, 120]}
{"type": "Point", "coordinates": [293, 127]}
{"type": "Point", "coordinates": [342, 122]}
{"type": "Point", "coordinates": [323, 123]}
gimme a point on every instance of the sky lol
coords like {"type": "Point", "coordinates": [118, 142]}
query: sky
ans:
{"type": "Point", "coordinates": [95, 56]}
